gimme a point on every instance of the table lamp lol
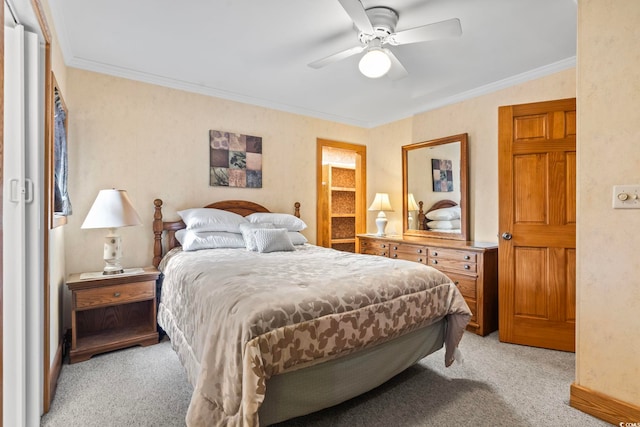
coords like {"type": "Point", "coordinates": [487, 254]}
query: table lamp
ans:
{"type": "Point", "coordinates": [411, 207]}
{"type": "Point", "coordinates": [381, 203]}
{"type": "Point", "coordinates": [112, 209]}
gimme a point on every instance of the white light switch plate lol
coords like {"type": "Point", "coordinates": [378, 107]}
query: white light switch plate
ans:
{"type": "Point", "coordinates": [626, 196]}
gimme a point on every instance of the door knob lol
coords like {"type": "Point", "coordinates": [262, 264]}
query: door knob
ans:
{"type": "Point", "coordinates": [506, 235]}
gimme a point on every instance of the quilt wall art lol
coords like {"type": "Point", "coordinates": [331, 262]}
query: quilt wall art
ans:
{"type": "Point", "coordinates": [442, 175]}
{"type": "Point", "coordinates": [235, 160]}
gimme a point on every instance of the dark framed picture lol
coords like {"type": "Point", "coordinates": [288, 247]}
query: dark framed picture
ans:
{"type": "Point", "coordinates": [442, 172]}
{"type": "Point", "coordinates": [235, 160]}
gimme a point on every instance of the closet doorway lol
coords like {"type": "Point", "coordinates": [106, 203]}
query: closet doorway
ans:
{"type": "Point", "coordinates": [341, 189]}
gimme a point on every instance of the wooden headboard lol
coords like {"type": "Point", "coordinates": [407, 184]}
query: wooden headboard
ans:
{"type": "Point", "coordinates": [422, 218]}
{"type": "Point", "coordinates": [241, 207]}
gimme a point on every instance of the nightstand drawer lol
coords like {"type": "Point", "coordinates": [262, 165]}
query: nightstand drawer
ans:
{"type": "Point", "coordinates": [116, 294]}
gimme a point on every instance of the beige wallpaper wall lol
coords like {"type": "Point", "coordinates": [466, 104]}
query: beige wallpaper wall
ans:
{"type": "Point", "coordinates": [608, 338]}
{"type": "Point", "coordinates": [153, 142]}
{"type": "Point", "coordinates": [478, 117]}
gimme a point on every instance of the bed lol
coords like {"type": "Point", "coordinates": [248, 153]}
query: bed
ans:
{"type": "Point", "coordinates": [268, 336]}
{"type": "Point", "coordinates": [443, 216]}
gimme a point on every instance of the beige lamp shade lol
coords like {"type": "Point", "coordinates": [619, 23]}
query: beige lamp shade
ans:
{"type": "Point", "coordinates": [381, 203]}
{"type": "Point", "coordinates": [411, 203]}
{"type": "Point", "coordinates": [111, 209]}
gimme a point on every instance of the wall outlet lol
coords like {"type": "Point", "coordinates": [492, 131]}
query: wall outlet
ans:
{"type": "Point", "coordinates": [626, 196]}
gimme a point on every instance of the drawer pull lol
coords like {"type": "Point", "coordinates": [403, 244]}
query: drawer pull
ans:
{"type": "Point", "coordinates": [467, 267]}
{"type": "Point", "coordinates": [116, 294]}
{"type": "Point", "coordinates": [435, 261]}
{"type": "Point", "coordinates": [419, 251]}
{"type": "Point", "coordinates": [395, 248]}
{"type": "Point", "coordinates": [467, 257]}
{"type": "Point", "coordinates": [456, 283]}
{"type": "Point", "coordinates": [435, 254]}
{"type": "Point", "coordinates": [383, 246]}
{"type": "Point", "coordinates": [419, 259]}
{"type": "Point", "coordinates": [395, 255]}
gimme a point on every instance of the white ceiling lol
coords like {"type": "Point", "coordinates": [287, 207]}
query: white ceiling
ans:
{"type": "Point", "coordinates": [257, 51]}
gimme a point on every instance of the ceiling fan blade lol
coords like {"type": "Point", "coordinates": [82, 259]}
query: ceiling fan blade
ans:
{"type": "Point", "coordinates": [435, 31]}
{"type": "Point", "coordinates": [397, 70]}
{"type": "Point", "coordinates": [336, 57]}
{"type": "Point", "coordinates": [358, 15]}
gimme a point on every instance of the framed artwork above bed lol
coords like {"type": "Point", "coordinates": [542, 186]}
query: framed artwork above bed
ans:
{"type": "Point", "coordinates": [235, 160]}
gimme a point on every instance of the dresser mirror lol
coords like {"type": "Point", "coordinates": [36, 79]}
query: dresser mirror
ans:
{"type": "Point", "coordinates": [434, 188]}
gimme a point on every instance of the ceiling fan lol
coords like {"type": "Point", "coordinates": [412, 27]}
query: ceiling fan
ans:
{"type": "Point", "coordinates": [376, 27]}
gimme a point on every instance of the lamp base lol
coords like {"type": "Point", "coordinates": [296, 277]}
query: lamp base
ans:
{"type": "Point", "coordinates": [381, 223]}
{"type": "Point", "coordinates": [112, 254]}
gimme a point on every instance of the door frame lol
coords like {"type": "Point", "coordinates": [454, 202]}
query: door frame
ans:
{"type": "Point", "coordinates": [361, 183]}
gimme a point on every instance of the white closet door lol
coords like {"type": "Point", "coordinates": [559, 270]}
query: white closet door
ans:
{"type": "Point", "coordinates": [14, 298]}
{"type": "Point", "coordinates": [22, 259]}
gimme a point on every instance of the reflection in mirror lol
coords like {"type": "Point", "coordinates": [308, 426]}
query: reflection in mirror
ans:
{"type": "Point", "coordinates": [435, 188]}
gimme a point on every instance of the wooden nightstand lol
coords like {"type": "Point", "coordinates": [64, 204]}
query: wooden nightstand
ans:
{"type": "Point", "coordinates": [112, 312]}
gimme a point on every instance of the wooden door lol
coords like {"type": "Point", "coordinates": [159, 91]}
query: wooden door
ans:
{"type": "Point", "coordinates": [537, 223]}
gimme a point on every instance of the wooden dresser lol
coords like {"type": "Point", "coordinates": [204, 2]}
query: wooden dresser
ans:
{"type": "Point", "coordinates": [472, 266]}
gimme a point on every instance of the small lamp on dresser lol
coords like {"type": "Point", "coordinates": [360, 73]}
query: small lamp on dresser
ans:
{"type": "Point", "coordinates": [112, 209]}
{"type": "Point", "coordinates": [381, 204]}
{"type": "Point", "coordinates": [412, 208]}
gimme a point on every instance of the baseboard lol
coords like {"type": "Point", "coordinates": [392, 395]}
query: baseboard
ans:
{"type": "Point", "coordinates": [54, 372]}
{"type": "Point", "coordinates": [601, 406]}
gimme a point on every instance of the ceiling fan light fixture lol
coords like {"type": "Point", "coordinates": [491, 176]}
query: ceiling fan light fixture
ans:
{"type": "Point", "coordinates": [375, 63]}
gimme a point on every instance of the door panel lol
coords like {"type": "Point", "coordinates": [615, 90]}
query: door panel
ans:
{"type": "Point", "coordinates": [537, 158]}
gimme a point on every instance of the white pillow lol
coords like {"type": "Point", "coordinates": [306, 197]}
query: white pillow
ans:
{"type": "Point", "coordinates": [248, 236]}
{"type": "Point", "coordinates": [444, 214]}
{"type": "Point", "coordinates": [280, 220]}
{"type": "Point", "coordinates": [196, 240]}
{"type": "Point", "coordinates": [296, 238]}
{"type": "Point", "coordinates": [274, 240]}
{"type": "Point", "coordinates": [209, 219]}
{"type": "Point", "coordinates": [444, 225]}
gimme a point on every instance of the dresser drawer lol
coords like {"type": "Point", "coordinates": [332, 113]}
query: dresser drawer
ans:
{"type": "Point", "coordinates": [449, 264]}
{"type": "Point", "coordinates": [374, 247]}
{"type": "Point", "coordinates": [116, 294]}
{"type": "Point", "coordinates": [414, 253]}
{"type": "Point", "coordinates": [466, 285]}
{"type": "Point", "coordinates": [454, 255]}
{"type": "Point", "coordinates": [473, 306]}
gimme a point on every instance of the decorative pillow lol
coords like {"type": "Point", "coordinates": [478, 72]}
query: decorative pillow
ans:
{"type": "Point", "coordinates": [444, 225]}
{"type": "Point", "coordinates": [296, 238]}
{"type": "Point", "coordinates": [280, 220]}
{"type": "Point", "coordinates": [248, 236]}
{"type": "Point", "coordinates": [196, 240]}
{"type": "Point", "coordinates": [274, 240]}
{"type": "Point", "coordinates": [209, 219]}
{"type": "Point", "coordinates": [444, 214]}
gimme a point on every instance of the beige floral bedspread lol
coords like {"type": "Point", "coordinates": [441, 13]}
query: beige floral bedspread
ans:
{"type": "Point", "coordinates": [237, 317]}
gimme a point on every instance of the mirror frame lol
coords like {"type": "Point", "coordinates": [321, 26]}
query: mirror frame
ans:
{"type": "Point", "coordinates": [464, 184]}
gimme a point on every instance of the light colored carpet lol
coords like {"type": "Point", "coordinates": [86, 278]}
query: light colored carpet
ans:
{"type": "Point", "coordinates": [496, 385]}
